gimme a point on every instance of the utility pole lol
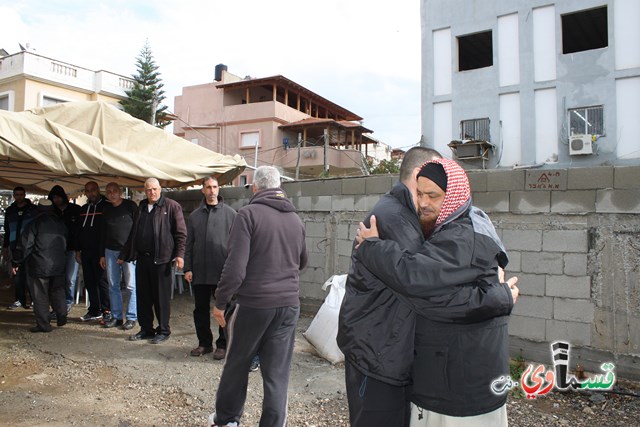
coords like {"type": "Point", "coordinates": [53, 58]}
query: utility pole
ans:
{"type": "Point", "coordinates": [326, 152]}
{"type": "Point", "coordinates": [298, 161]}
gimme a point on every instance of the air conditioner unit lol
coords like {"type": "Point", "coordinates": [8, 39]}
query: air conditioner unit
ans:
{"type": "Point", "coordinates": [580, 144]}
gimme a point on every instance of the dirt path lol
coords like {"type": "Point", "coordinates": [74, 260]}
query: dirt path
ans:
{"type": "Point", "coordinates": [84, 375]}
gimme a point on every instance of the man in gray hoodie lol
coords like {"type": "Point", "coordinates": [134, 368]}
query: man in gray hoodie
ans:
{"type": "Point", "coordinates": [266, 252]}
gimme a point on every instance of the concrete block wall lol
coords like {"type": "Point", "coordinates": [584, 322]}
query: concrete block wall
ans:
{"type": "Point", "coordinates": [573, 237]}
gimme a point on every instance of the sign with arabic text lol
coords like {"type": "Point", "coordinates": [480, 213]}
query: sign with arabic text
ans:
{"type": "Point", "coordinates": [544, 179]}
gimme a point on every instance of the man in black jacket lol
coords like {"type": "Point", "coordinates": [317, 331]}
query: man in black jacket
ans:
{"type": "Point", "coordinates": [457, 354]}
{"type": "Point", "coordinates": [17, 216]}
{"type": "Point", "coordinates": [205, 254]}
{"type": "Point", "coordinates": [42, 246]}
{"type": "Point", "coordinates": [156, 241]}
{"type": "Point", "coordinates": [88, 252]}
{"type": "Point", "coordinates": [70, 214]}
{"type": "Point", "coordinates": [266, 252]}
{"type": "Point", "coordinates": [376, 325]}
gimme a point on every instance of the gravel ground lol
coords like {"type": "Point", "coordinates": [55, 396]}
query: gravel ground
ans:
{"type": "Point", "coordinates": [81, 374]}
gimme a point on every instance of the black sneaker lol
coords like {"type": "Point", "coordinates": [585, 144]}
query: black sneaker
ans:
{"type": "Point", "coordinates": [88, 317]}
{"type": "Point", "coordinates": [128, 325]}
{"type": "Point", "coordinates": [52, 316]}
{"type": "Point", "coordinates": [111, 323]}
{"type": "Point", "coordinates": [106, 318]}
{"type": "Point", "coordinates": [255, 364]}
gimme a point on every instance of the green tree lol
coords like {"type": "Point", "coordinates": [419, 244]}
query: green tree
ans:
{"type": "Point", "coordinates": [384, 166]}
{"type": "Point", "coordinates": [145, 97]}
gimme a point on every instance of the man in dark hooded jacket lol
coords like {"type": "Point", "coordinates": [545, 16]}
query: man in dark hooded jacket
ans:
{"type": "Point", "coordinates": [42, 246]}
{"type": "Point", "coordinates": [266, 252]}
{"type": "Point", "coordinates": [90, 232]}
{"type": "Point", "coordinates": [454, 363]}
{"type": "Point", "coordinates": [70, 214]}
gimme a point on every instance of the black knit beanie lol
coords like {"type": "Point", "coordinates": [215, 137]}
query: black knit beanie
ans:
{"type": "Point", "coordinates": [435, 172]}
{"type": "Point", "coordinates": [57, 191]}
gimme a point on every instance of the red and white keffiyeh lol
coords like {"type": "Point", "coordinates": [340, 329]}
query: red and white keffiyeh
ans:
{"type": "Point", "coordinates": [458, 188]}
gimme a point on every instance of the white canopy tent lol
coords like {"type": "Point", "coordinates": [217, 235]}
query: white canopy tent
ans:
{"type": "Point", "coordinates": [71, 143]}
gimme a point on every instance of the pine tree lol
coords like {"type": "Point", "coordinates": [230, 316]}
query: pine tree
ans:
{"type": "Point", "coordinates": [146, 93]}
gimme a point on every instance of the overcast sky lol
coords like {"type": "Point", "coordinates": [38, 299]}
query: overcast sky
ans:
{"type": "Point", "coordinates": [361, 54]}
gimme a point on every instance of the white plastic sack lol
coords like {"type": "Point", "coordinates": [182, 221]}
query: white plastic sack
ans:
{"type": "Point", "coordinates": [324, 327]}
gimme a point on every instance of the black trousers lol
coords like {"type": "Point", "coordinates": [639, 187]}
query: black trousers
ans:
{"type": "Point", "coordinates": [20, 282]}
{"type": "Point", "coordinates": [375, 403]}
{"type": "Point", "coordinates": [153, 294]}
{"type": "Point", "coordinates": [202, 295]}
{"type": "Point", "coordinates": [47, 291]}
{"type": "Point", "coordinates": [95, 282]}
{"type": "Point", "coordinates": [270, 333]}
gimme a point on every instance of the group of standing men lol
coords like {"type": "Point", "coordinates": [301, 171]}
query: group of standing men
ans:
{"type": "Point", "coordinates": [46, 243]}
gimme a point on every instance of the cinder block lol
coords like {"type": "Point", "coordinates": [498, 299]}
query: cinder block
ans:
{"type": "Point", "coordinates": [311, 290]}
{"type": "Point", "coordinates": [595, 177]}
{"type": "Point", "coordinates": [293, 189]}
{"type": "Point", "coordinates": [317, 244]}
{"type": "Point", "coordinates": [626, 177]}
{"type": "Point", "coordinates": [313, 275]}
{"type": "Point", "coordinates": [573, 310]}
{"type": "Point", "coordinates": [344, 247]}
{"type": "Point", "coordinates": [342, 231]}
{"type": "Point", "coordinates": [320, 203]}
{"type": "Point", "coordinates": [342, 203]}
{"type": "Point", "coordinates": [527, 327]}
{"type": "Point", "coordinates": [515, 262]}
{"type": "Point", "coordinates": [530, 201]}
{"type": "Point", "coordinates": [618, 201]}
{"type": "Point", "coordinates": [531, 284]}
{"type": "Point", "coordinates": [303, 203]}
{"type": "Point", "coordinates": [379, 184]}
{"type": "Point", "coordinates": [495, 201]}
{"type": "Point", "coordinates": [542, 262]}
{"type": "Point", "coordinates": [235, 192]}
{"type": "Point", "coordinates": [505, 180]}
{"type": "Point", "coordinates": [522, 240]}
{"type": "Point", "coordinates": [574, 332]}
{"type": "Point", "coordinates": [366, 203]}
{"type": "Point", "coordinates": [575, 264]}
{"type": "Point", "coordinates": [565, 241]}
{"type": "Point", "coordinates": [569, 287]}
{"type": "Point", "coordinates": [354, 185]}
{"type": "Point", "coordinates": [477, 180]}
{"type": "Point", "coordinates": [316, 260]}
{"type": "Point", "coordinates": [532, 306]}
{"type": "Point", "coordinates": [343, 264]}
{"type": "Point", "coordinates": [315, 229]}
{"type": "Point", "coordinates": [579, 202]}
{"type": "Point", "coordinates": [321, 187]}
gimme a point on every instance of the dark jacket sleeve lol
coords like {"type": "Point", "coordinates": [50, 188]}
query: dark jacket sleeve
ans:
{"type": "Point", "coordinates": [188, 252]}
{"type": "Point", "coordinates": [235, 267]}
{"type": "Point", "coordinates": [128, 253]}
{"type": "Point", "coordinates": [444, 281]}
{"type": "Point", "coordinates": [428, 273]}
{"type": "Point", "coordinates": [179, 231]}
{"type": "Point", "coordinates": [26, 244]}
{"type": "Point", "coordinates": [466, 304]}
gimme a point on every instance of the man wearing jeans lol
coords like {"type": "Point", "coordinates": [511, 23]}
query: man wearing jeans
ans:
{"type": "Point", "coordinates": [118, 220]}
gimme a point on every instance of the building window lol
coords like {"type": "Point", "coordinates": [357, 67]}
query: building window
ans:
{"type": "Point", "coordinates": [476, 129]}
{"type": "Point", "coordinates": [48, 100]}
{"type": "Point", "coordinates": [243, 180]}
{"type": "Point", "coordinates": [585, 30]}
{"type": "Point", "coordinates": [6, 100]}
{"type": "Point", "coordinates": [475, 51]}
{"type": "Point", "coordinates": [195, 141]}
{"type": "Point", "coordinates": [586, 121]}
{"type": "Point", "coordinates": [249, 139]}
